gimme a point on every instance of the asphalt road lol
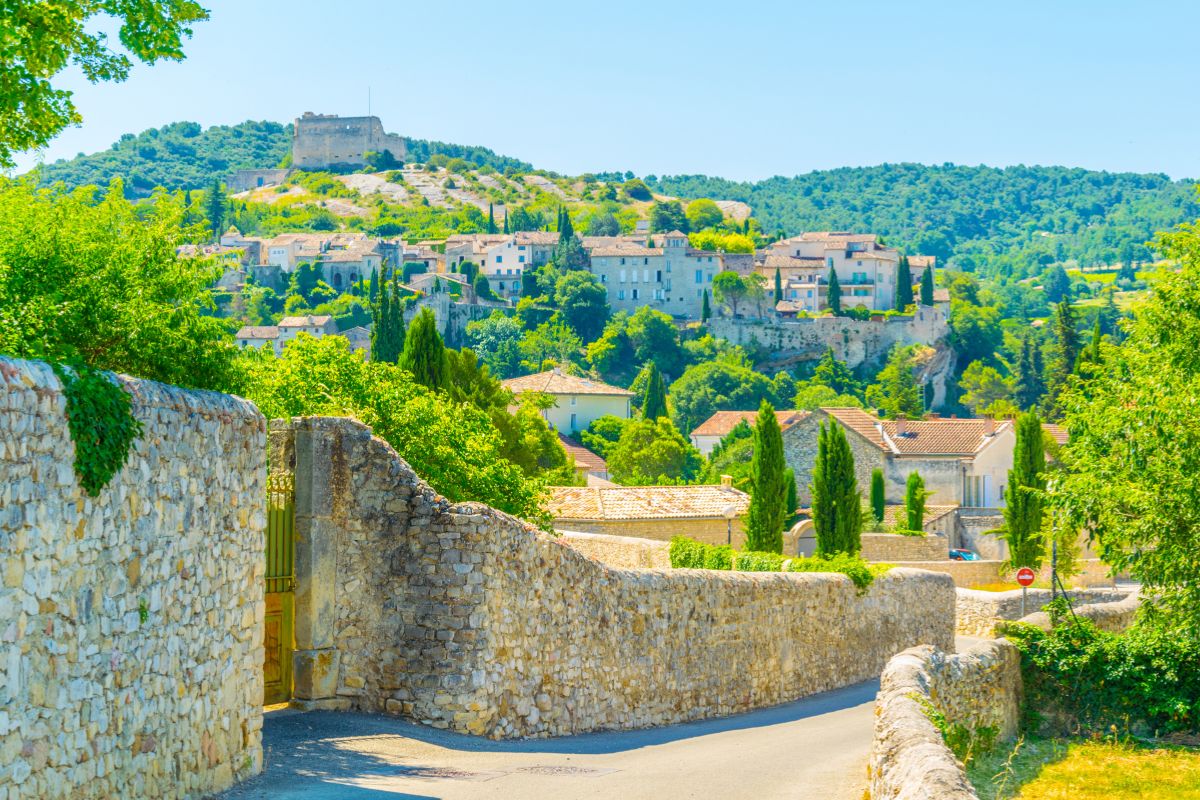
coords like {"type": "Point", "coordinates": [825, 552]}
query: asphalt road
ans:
{"type": "Point", "coordinates": [812, 748]}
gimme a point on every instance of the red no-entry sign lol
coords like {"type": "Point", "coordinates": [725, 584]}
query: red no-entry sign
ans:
{"type": "Point", "coordinates": [1025, 576]}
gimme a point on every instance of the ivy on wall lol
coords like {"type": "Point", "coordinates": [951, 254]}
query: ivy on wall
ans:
{"type": "Point", "coordinates": [100, 418]}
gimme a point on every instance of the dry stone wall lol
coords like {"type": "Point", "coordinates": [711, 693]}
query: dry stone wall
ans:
{"type": "Point", "coordinates": [979, 688]}
{"type": "Point", "coordinates": [624, 552]}
{"type": "Point", "coordinates": [462, 617]}
{"type": "Point", "coordinates": [130, 623]}
{"type": "Point", "coordinates": [891, 547]}
{"type": "Point", "coordinates": [979, 612]}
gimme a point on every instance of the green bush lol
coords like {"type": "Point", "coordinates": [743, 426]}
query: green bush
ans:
{"type": "Point", "coordinates": [690, 554]}
{"type": "Point", "coordinates": [1085, 679]}
{"type": "Point", "coordinates": [907, 532]}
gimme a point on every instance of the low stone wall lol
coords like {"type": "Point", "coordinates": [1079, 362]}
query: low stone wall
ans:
{"type": "Point", "coordinates": [465, 618]}
{"type": "Point", "coordinates": [964, 573]}
{"type": "Point", "coordinates": [1113, 616]}
{"type": "Point", "coordinates": [891, 547]}
{"type": "Point", "coordinates": [978, 612]}
{"type": "Point", "coordinates": [623, 552]}
{"type": "Point", "coordinates": [131, 658]}
{"type": "Point", "coordinates": [979, 688]}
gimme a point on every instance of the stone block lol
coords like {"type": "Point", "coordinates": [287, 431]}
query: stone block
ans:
{"type": "Point", "coordinates": [315, 674]}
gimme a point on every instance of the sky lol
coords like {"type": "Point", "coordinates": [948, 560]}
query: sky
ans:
{"type": "Point", "coordinates": [740, 90]}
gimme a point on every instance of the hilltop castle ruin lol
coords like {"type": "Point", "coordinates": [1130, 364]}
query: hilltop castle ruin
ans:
{"type": "Point", "coordinates": [320, 141]}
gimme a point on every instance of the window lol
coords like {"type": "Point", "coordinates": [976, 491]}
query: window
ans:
{"type": "Point", "coordinates": [622, 262]}
{"type": "Point", "coordinates": [658, 276]}
{"type": "Point", "coordinates": [645, 261]}
{"type": "Point", "coordinates": [499, 259]}
{"type": "Point", "coordinates": [500, 285]}
{"type": "Point", "coordinates": [621, 295]}
{"type": "Point", "coordinates": [635, 294]}
{"type": "Point", "coordinates": [604, 277]}
{"type": "Point", "coordinates": [699, 276]}
{"type": "Point", "coordinates": [520, 259]}
{"type": "Point", "coordinates": [573, 423]}
{"type": "Point", "coordinates": [574, 400]}
{"type": "Point", "coordinates": [622, 276]}
{"type": "Point", "coordinates": [829, 261]}
{"type": "Point", "coordinates": [520, 247]}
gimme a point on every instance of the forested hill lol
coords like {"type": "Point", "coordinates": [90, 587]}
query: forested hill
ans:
{"type": "Point", "coordinates": [1011, 220]}
{"type": "Point", "coordinates": [183, 155]}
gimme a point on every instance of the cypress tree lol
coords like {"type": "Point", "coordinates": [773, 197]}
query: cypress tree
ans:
{"type": "Point", "coordinates": [836, 506]}
{"type": "Point", "coordinates": [927, 286]}
{"type": "Point", "coordinates": [1066, 354]}
{"type": "Point", "coordinates": [877, 494]}
{"type": "Point", "coordinates": [654, 399]}
{"type": "Point", "coordinates": [835, 292]}
{"type": "Point", "coordinates": [778, 286]}
{"type": "Point", "coordinates": [1022, 496]}
{"type": "Point", "coordinates": [529, 282]}
{"type": "Point", "coordinates": [705, 308]}
{"type": "Point", "coordinates": [904, 284]}
{"type": "Point", "coordinates": [373, 287]}
{"type": "Point", "coordinates": [424, 353]}
{"type": "Point", "coordinates": [491, 219]}
{"type": "Point", "coordinates": [506, 230]}
{"type": "Point", "coordinates": [382, 314]}
{"type": "Point", "coordinates": [793, 499]}
{"type": "Point", "coordinates": [215, 206]}
{"type": "Point", "coordinates": [914, 501]}
{"type": "Point", "coordinates": [768, 500]}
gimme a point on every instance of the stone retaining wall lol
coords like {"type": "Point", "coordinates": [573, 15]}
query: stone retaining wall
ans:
{"type": "Point", "coordinates": [978, 612]}
{"type": "Point", "coordinates": [1113, 616]}
{"type": "Point", "coordinates": [891, 547]}
{"type": "Point", "coordinates": [979, 688]}
{"type": "Point", "coordinates": [465, 618]}
{"type": "Point", "coordinates": [130, 623]}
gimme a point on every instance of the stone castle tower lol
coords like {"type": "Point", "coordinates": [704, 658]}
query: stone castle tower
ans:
{"type": "Point", "coordinates": [320, 141]}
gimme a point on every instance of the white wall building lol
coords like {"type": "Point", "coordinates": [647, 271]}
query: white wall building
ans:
{"type": "Point", "coordinates": [578, 401]}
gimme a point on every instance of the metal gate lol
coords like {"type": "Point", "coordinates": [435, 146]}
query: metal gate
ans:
{"type": "Point", "coordinates": [279, 620]}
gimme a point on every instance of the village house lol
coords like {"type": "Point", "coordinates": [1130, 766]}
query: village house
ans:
{"type": "Point", "coordinates": [712, 514]}
{"type": "Point", "coordinates": [577, 401]}
{"type": "Point", "coordinates": [964, 462]}
{"type": "Point", "coordinates": [505, 262]}
{"type": "Point", "coordinates": [345, 258]}
{"type": "Point", "coordinates": [287, 329]}
{"type": "Point", "coordinates": [866, 270]}
{"type": "Point", "coordinates": [709, 433]}
{"type": "Point", "coordinates": [665, 273]}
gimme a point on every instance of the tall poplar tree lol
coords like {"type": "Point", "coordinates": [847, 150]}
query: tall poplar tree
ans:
{"type": "Point", "coordinates": [491, 219]}
{"type": "Point", "coordinates": [1022, 495]}
{"type": "Point", "coordinates": [904, 284]}
{"type": "Point", "coordinates": [1066, 353]}
{"type": "Point", "coordinates": [835, 292]}
{"type": "Point", "coordinates": [836, 506]}
{"type": "Point", "coordinates": [914, 502]}
{"type": "Point", "coordinates": [654, 400]}
{"type": "Point", "coordinates": [878, 498]}
{"type": "Point", "coordinates": [215, 206]}
{"type": "Point", "coordinates": [424, 353]}
{"type": "Point", "coordinates": [927, 286]}
{"type": "Point", "coordinates": [387, 330]}
{"type": "Point", "coordinates": [768, 474]}
{"type": "Point", "coordinates": [705, 308]}
{"type": "Point", "coordinates": [373, 287]}
{"type": "Point", "coordinates": [1028, 388]}
{"type": "Point", "coordinates": [778, 286]}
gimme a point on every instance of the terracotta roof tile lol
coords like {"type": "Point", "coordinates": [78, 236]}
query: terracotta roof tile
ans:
{"type": "Point", "coordinates": [557, 382]}
{"type": "Point", "coordinates": [644, 502]}
{"type": "Point", "coordinates": [584, 459]}
{"type": "Point", "coordinates": [258, 332]}
{"type": "Point", "coordinates": [897, 514]}
{"type": "Point", "coordinates": [1057, 431]}
{"type": "Point", "coordinates": [960, 437]}
{"type": "Point", "coordinates": [304, 322]}
{"type": "Point", "coordinates": [722, 422]}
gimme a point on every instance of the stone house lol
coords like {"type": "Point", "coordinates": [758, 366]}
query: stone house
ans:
{"type": "Point", "coordinates": [964, 462]}
{"type": "Point", "coordinates": [345, 258]}
{"type": "Point", "coordinates": [866, 269]}
{"type": "Point", "coordinates": [287, 329]}
{"type": "Point", "coordinates": [709, 514]}
{"type": "Point", "coordinates": [577, 401]}
{"type": "Point", "coordinates": [664, 273]}
{"type": "Point", "coordinates": [505, 262]}
{"type": "Point", "coordinates": [258, 335]}
{"type": "Point", "coordinates": [709, 433]}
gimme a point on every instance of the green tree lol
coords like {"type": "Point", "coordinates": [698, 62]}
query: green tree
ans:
{"type": "Point", "coordinates": [89, 278]}
{"type": "Point", "coordinates": [984, 388]}
{"type": "Point", "coordinates": [603, 434]}
{"type": "Point", "coordinates": [1028, 386]}
{"type": "Point", "coordinates": [43, 37]}
{"type": "Point", "coordinates": [497, 340]}
{"type": "Point", "coordinates": [1023, 495]}
{"type": "Point", "coordinates": [878, 500]}
{"type": "Point", "coordinates": [705, 309]}
{"type": "Point", "coordinates": [491, 225]}
{"type": "Point", "coordinates": [654, 401]}
{"type": "Point", "coordinates": [387, 333]}
{"type": "Point", "coordinates": [768, 499]}
{"type": "Point", "coordinates": [835, 374]}
{"type": "Point", "coordinates": [583, 303]}
{"type": "Point", "coordinates": [904, 285]}
{"type": "Point", "coordinates": [703, 213]}
{"type": "Point", "coordinates": [895, 392]}
{"type": "Point", "coordinates": [730, 289]}
{"type": "Point", "coordinates": [914, 501]}
{"type": "Point", "coordinates": [725, 384]}
{"type": "Point", "coordinates": [927, 286]}
{"type": "Point", "coordinates": [424, 354]}
{"type": "Point", "coordinates": [635, 189]}
{"type": "Point", "coordinates": [778, 286]}
{"type": "Point", "coordinates": [1066, 353]}
{"type": "Point", "coordinates": [603, 224]}
{"type": "Point", "coordinates": [550, 344]}
{"type": "Point", "coordinates": [834, 296]}
{"type": "Point", "coordinates": [811, 395]}
{"type": "Point", "coordinates": [215, 205]}
{"type": "Point", "coordinates": [652, 452]}
{"type": "Point", "coordinates": [668, 216]}
{"type": "Point", "coordinates": [373, 287]}
{"type": "Point", "coordinates": [975, 332]}
{"type": "Point", "coordinates": [836, 506]}
{"type": "Point", "coordinates": [1056, 284]}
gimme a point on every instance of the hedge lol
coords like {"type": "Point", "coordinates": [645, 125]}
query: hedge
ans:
{"type": "Point", "coordinates": [690, 554]}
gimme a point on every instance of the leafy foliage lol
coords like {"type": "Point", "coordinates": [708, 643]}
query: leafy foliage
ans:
{"type": "Point", "coordinates": [100, 419]}
{"type": "Point", "coordinates": [914, 501]}
{"type": "Point", "coordinates": [652, 452]}
{"type": "Point", "coordinates": [836, 507]}
{"type": "Point", "coordinates": [1023, 496]}
{"type": "Point", "coordinates": [690, 554]}
{"type": "Point", "coordinates": [768, 471]}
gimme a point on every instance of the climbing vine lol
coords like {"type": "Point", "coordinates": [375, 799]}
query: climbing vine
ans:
{"type": "Point", "coordinates": [100, 418]}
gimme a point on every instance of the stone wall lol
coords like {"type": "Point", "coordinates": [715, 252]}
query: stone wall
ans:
{"type": "Point", "coordinates": [965, 573]}
{"type": "Point", "coordinates": [320, 141]}
{"type": "Point", "coordinates": [131, 622]}
{"type": "Point", "coordinates": [623, 552]}
{"type": "Point", "coordinates": [853, 341]}
{"type": "Point", "coordinates": [465, 618]}
{"type": "Point", "coordinates": [1114, 616]}
{"type": "Point", "coordinates": [800, 454]}
{"type": "Point", "coordinates": [891, 547]}
{"type": "Point", "coordinates": [979, 612]}
{"type": "Point", "coordinates": [979, 688]}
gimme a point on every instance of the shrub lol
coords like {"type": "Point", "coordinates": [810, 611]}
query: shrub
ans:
{"type": "Point", "coordinates": [758, 562]}
{"type": "Point", "coordinates": [907, 532]}
{"type": "Point", "coordinates": [690, 554]}
{"type": "Point", "coordinates": [1085, 679]}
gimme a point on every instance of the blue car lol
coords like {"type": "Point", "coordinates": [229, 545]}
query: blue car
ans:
{"type": "Point", "coordinates": [963, 555]}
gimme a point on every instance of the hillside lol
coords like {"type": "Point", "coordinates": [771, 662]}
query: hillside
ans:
{"type": "Point", "coordinates": [1013, 220]}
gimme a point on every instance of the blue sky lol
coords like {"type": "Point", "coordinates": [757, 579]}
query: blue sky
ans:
{"type": "Point", "coordinates": [744, 90]}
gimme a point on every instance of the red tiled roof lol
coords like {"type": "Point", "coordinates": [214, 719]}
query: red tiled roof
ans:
{"type": "Point", "coordinates": [557, 382]}
{"type": "Point", "coordinates": [584, 459]}
{"type": "Point", "coordinates": [722, 422]}
{"type": "Point", "coordinates": [1057, 431]}
{"type": "Point", "coordinates": [644, 502]}
{"type": "Point", "coordinates": [960, 437]}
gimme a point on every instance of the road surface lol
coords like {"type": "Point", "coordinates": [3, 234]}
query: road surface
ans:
{"type": "Point", "coordinates": [813, 748]}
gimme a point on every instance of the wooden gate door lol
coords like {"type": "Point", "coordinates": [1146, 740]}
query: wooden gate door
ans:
{"type": "Point", "coordinates": [279, 620]}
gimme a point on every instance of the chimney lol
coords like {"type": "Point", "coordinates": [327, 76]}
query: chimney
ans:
{"type": "Point", "coordinates": [901, 426]}
{"type": "Point", "coordinates": [989, 426]}
{"type": "Point", "coordinates": [727, 481]}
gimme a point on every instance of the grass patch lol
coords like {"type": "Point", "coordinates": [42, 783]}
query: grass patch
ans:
{"type": "Point", "coordinates": [1057, 769]}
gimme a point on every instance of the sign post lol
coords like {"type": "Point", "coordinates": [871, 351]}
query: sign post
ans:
{"type": "Point", "coordinates": [1025, 577]}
